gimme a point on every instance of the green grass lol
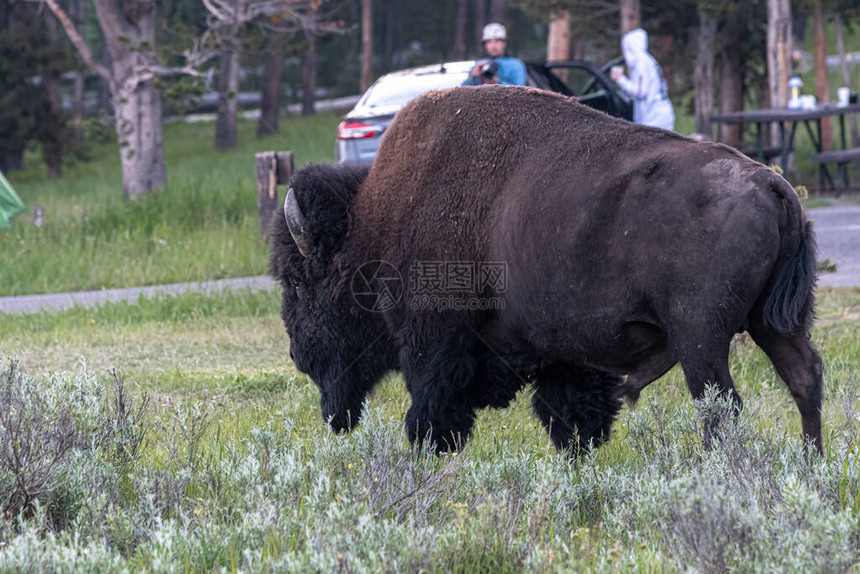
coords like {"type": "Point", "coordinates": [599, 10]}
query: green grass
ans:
{"type": "Point", "coordinates": [238, 471]}
{"type": "Point", "coordinates": [205, 226]}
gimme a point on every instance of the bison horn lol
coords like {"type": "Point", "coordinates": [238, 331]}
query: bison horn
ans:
{"type": "Point", "coordinates": [296, 223]}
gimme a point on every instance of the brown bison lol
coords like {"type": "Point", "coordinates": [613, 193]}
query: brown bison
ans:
{"type": "Point", "coordinates": [606, 249]}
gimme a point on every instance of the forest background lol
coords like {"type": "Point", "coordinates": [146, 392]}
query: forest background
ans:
{"type": "Point", "coordinates": [73, 71]}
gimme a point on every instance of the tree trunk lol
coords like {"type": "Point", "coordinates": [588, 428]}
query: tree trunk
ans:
{"type": "Point", "coordinates": [130, 41]}
{"type": "Point", "coordinates": [53, 125]}
{"type": "Point", "coordinates": [309, 76]}
{"type": "Point", "coordinates": [129, 34]}
{"type": "Point", "coordinates": [226, 123]}
{"type": "Point", "coordinates": [664, 51]}
{"type": "Point", "coordinates": [631, 15]}
{"type": "Point", "coordinates": [51, 138]}
{"type": "Point", "coordinates": [461, 29]}
{"type": "Point", "coordinates": [480, 22]}
{"type": "Point", "coordinates": [558, 40]}
{"type": "Point", "coordinates": [270, 106]}
{"type": "Point", "coordinates": [390, 34]}
{"type": "Point", "coordinates": [822, 86]}
{"type": "Point", "coordinates": [139, 130]}
{"type": "Point", "coordinates": [103, 97]}
{"type": "Point", "coordinates": [80, 17]}
{"type": "Point", "coordinates": [499, 12]}
{"type": "Point", "coordinates": [603, 52]}
{"type": "Point", "coordinates": [846, 75]}
{"type": "Point", "coordinates": [366, 44]}
{"type": "Point", "coordinates": [78, 104]}
{"type": "Point", "coordinates": [104, 101]}
{"type": "Point", "coordinates": [704, 77]}
{"type": "Point", "coordinates": [577, 48]}
{"type": "Point", "coordinates": [778, 54]}
{"type": "Point", "coordinates": [731, 95]}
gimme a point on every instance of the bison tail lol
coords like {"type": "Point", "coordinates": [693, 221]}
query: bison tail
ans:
{"type": "Point", "coordinates": [789, 308]}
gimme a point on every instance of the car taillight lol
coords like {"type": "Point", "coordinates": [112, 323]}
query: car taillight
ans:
{"type": "Point", "coordinates": [357, 130]}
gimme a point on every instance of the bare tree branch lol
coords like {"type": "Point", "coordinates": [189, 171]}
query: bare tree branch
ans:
{"type": "Point", "coordinates": [220, 11]}
{"type": "Point", "coordinates": [77, 41]}
{"type": "Point", "coordinates": [196, 56]}
{"type": "Point", "coordinates": [281, 16]}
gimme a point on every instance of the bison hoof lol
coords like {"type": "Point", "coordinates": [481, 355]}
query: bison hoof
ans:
{"type": "Point", "coordinates": [448, 435]}
{"type": "Point", "coordinates": [435, 439]}
{"type": "Point", "coordinates": [438, 442]}
{"type": "Point", "coordinates": [342, 423]}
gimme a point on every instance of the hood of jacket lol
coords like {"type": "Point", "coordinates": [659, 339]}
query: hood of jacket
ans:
{"type": "Point", "coordinates": [633, 45]}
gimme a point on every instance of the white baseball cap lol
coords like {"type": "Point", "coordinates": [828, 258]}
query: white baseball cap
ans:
{"type": "Point", "coordinates": [494, 31]}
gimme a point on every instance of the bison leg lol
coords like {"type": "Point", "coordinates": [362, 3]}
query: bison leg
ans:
{"type": "Point", "coordinates": [706, 365]}
{"type": "Point", "coordinates": [702, 369]}
{"type": "Point", "coordinates": [649, 371]}
{"type": "Point", "coordinates": [576, 405]}
{"type": "Point", "coordinates": [442, 411]}
{"type": "Point", "coordinates": [498, 380]}
{"type": "Point", "coordinates": [797, 363]}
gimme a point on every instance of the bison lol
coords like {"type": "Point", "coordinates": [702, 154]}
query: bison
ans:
{"type": "Point", "coordinates": [623, 250]}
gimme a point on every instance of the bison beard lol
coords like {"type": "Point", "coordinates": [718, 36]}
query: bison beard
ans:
{"type": "Point", "coordinates": [627, 250]}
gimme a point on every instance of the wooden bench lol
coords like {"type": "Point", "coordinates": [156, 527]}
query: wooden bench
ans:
{"type": "Point", "coordinates": [837, 156]}
{"type": "Point", "coordinates": [840, 157]}
{"type": "Point", "coordinates": [767, 152]}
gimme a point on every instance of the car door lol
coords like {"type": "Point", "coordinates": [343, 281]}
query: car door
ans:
{"type": "Point", "coordinates": [591, 86]}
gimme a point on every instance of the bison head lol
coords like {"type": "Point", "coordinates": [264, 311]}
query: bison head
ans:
{"type": "Point", "coordinates": [344, 348]}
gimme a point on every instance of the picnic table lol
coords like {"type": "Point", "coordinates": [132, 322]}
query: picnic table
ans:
{"type": "Point", "coordinates": [787, 120]}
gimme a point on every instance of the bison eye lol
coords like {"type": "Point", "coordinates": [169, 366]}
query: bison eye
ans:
{"type": "Point", "coordinates": [297, 286]}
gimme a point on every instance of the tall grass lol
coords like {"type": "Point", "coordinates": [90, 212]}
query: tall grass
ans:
{"type": "Point", "coordinates": [205, 226]}
{"type": "Point", "coordinates": [267, 490]}
{"type": "Point", "coordinates": [237, 471]}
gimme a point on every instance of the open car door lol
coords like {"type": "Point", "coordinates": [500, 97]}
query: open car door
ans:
{"type": "Point", "coordinates": [592, 87]}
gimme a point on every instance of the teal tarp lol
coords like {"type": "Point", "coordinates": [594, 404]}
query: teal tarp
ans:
{"type": "Point", "coordinates": [10, 203]}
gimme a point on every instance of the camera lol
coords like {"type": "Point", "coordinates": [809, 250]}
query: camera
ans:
{"type": "Point", "coordinates": [488, 68]}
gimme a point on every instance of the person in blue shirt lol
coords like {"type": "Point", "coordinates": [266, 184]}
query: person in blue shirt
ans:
{"type": "Point", "coordinates": [497, 68]}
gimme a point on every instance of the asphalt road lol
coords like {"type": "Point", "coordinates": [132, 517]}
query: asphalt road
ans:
{"type": "Point", "coordinates": [837, 229]}
{"type": "Point", "coordinates": [60, 301]}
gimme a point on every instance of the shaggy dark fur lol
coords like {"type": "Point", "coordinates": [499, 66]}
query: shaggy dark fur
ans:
{"type": "Point", "coordinates": [577, 405]}
{"type": "Point", "coordinates": [317, 309]}
{"type": "Point", "coordinates": [627, 250]}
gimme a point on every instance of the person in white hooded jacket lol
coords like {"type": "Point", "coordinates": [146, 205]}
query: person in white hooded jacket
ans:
{"type": "Point", "coordinates": [645, 83]}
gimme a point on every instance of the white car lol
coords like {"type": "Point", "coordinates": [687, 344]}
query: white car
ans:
{"type": "Point", "coordinates": [360, 132]}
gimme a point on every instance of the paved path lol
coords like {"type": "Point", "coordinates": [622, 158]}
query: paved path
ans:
{"type": "Point", "coordinates": [59, 301]}
{"type": "Point", "coordinates": [837, 229]}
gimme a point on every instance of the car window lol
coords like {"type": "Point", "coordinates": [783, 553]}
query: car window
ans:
{"type": "Point", "coordinates": [581, 81]}
{"type": "Point", "coordinates": [397, 90]}
{"type": "Point", "coordinates": [539, 76]}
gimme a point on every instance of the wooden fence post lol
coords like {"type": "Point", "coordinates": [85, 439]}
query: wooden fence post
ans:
{"type": "Point", "coordinates": [273, 169]}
